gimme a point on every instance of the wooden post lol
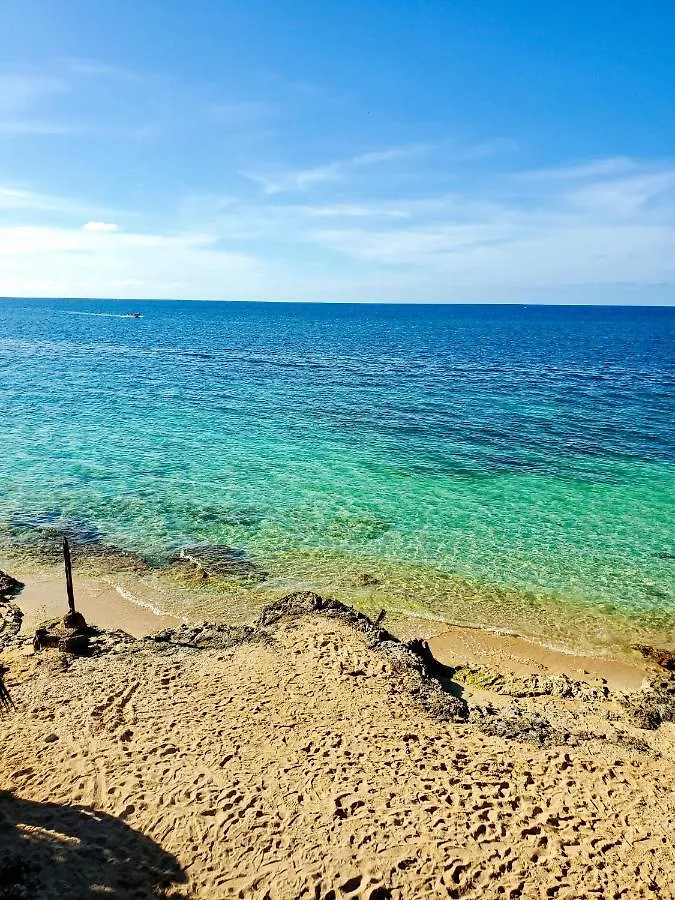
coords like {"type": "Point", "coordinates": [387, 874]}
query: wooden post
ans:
{"type": "Point", "coordinates": [69, 577]}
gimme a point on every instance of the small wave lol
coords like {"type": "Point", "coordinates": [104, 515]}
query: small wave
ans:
{"type": "Point", "coordinates": [132, 598]}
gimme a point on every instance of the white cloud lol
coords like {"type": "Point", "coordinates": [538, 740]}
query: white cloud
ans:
{"type": "Point", "coordinates": [100, 226]}
{"type": "Point", "coordinates": [505, 238]}
{"type": "Point", "coordinates": [71, 262]}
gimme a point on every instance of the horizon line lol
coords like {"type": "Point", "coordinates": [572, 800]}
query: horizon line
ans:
{"type": "Point", "coordinates": [348, 302]}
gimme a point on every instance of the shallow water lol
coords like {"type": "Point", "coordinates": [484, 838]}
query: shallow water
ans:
{"type": "Point", "coordinates": [523, 448]}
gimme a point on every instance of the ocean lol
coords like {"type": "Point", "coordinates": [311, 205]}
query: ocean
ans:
{"type": "Point", "coordinates": [509, 466]}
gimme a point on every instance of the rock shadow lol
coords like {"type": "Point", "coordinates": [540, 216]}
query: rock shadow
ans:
{"type": "Point", "coordinates": [53, 851]}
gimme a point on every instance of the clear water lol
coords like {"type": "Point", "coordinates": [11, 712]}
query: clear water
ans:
{"type": "Point", "coordinates": [519, 448]}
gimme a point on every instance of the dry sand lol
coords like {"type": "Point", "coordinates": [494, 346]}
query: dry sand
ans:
{"type": "Point", "coordinates": [297, 769]}
{"type": "Point", "coordinates": [301, 766]}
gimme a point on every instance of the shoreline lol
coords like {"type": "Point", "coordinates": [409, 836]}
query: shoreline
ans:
{"type": "Point", "coordinates": [218, 582]}
{"type": "Point", "coordinates": [106, 603]}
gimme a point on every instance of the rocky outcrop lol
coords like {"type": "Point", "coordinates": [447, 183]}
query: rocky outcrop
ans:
{"type": "Point", "coordinates": [652, 705]}
{"type": "Point", "coordinates": [10, 614]}
{"type": "Point", "coordinates": [517, 723]}
{"type": "Point", "coordinates": [663, 658]}
{"type": "Point", "coordinates": [529, 685]}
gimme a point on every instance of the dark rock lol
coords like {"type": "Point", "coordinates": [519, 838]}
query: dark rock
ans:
{"type": "Point", "coordinates": [9, 587]}
{"type": "Point", "coordinates": [218, 561]}
{"type": "Point", "coordinates": [652, 705]}
{"type": "Point", "coordinates": [663, 658]}
{"type": "Point", "coordinates": [10, 624]}
{"type": "Point", "coordinates": [516, 724]}
{"type": "Point", "coordinates": [69, 635]}
{"type": "Point", "coordinates": [74, 621]}
{"type": "Point", "coordinates": [206, 637]}
{"type": "Point", "coordinates": [297, 604]}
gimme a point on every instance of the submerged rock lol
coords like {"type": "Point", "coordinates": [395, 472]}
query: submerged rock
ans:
{"type": "Point", "coordinates": [366, 580]}
{"type": "Point", "coordinates": [216, 560]}
{"type": "Point", "coordinates": [45, 531]}
{"type": "Point", "coordinates": [41, 537]}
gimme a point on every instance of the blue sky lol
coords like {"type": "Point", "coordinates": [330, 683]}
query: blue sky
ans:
{"type": "Point", "coordinates": [438, 150]}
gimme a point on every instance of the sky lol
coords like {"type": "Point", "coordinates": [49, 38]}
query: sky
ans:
{"type": "Point", "coordinates": [381, 150]}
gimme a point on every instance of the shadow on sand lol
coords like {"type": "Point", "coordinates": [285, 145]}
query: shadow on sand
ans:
{"type": "Point", "coordinates": [53, 851]}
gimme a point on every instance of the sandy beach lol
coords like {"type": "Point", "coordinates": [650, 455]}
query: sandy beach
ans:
{"type": "Point", "coordinates": [311, 755]}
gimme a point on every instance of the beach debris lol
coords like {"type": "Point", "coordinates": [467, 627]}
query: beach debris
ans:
{"type": "Point", "coordinates": [663, 658]}
{"type": "Point", "coordinates": [6, 702]}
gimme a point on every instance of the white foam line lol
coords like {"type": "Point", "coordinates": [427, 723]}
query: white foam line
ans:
{"type": "Point", "coordinates": [508, 632]}
{"type": "Point", "coordinates": [145, 604]}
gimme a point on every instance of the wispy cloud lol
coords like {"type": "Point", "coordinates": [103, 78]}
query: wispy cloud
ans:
{"type": "Point", "coordinates": [598, 168]}
{"type": "Point", "coordinates": [73, 262]}
{"type": "Point", "coordinates": [303, 179]}
{"type": "Point", "coordinates": [19, 91]}
{"type": "Point", "coordinates": [19, 199]}
{"type": "Point", "coordinates": [608, 230]}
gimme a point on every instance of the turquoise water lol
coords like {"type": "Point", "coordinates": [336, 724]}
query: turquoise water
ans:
{"type": "Point", "coordinates": [523, 447]}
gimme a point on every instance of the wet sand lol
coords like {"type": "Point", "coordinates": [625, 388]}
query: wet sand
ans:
{"type": "Point", "coordinates": [98, 599]}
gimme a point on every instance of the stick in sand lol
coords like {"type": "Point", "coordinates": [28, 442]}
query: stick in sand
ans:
{"type": "Point", "coordinates": [69, 577]}
{"type": "Point", "coordinates": [71, 619]}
